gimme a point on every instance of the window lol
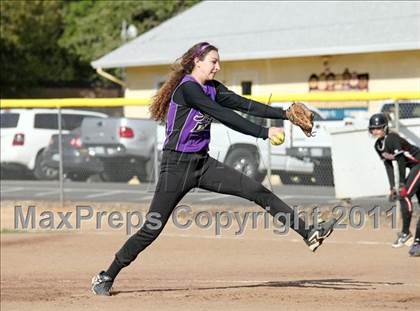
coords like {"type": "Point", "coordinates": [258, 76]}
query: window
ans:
{"type": "Point", "coordinates": [246, 87]}
{"type": "Point", "coordinates": [71, 121]}
{"type": "Point", "coordinates": [415, 113]}
{"type": "Point", "coordinates": [9, 120]}
{"type": "Point", "coordinates": [46, 121]}
{"type": "Point", "coordinates": [50, 121]}
{"type": "Point", "coordinates": [317, 117]}
{"type": "Point", "coordinates": [407, 110]}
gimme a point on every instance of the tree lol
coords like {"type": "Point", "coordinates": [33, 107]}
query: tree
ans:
{"type": "Point", "coordinates": [29, 51]}
{"type": "Point", "coordinates": [50, 43]}
{"type": "Point", "coordinates": [93, 28]}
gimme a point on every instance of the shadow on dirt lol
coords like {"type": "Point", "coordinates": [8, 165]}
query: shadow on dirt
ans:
{"type": "Point", "coordinates": [335, 284]}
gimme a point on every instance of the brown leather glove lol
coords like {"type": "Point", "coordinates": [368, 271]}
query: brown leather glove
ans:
{"type": "Point", "coordinates": [301, 116]}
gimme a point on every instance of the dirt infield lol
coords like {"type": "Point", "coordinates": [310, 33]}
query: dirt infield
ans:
{"type": "Point", "coordinates": [195, 270]}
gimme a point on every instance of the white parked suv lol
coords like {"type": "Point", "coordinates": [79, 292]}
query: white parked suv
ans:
{"type": "Point", "coordinates": [26, 132]}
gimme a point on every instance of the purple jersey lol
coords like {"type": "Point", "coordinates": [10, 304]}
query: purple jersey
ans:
{"type": "Point", "coordinates": [194, 106]}
{"type": "Point", "coordinates": [188, 129]}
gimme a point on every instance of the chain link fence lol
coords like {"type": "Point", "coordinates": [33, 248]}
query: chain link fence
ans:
{"type": "Point", "coordinates": [100, 146]}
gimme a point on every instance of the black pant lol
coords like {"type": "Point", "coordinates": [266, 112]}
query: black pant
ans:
{"type": "Point", "coordinates": [412, 185]}
{"type": "Point", "coordinates": [179, 173]}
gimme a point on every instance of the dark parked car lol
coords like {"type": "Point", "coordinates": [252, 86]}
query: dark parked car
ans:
{"type": "Point", "coordinates": [78, 164]}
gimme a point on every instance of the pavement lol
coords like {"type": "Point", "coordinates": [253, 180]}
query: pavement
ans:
{"type": "Point", "coordinates": [142, 193]}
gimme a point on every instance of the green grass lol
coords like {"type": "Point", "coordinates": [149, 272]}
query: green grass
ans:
{"type": "Point", "coordinates": [9, 231]}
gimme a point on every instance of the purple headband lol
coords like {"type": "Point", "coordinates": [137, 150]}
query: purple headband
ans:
{"type": "Point", "coordinates": [201, 49]}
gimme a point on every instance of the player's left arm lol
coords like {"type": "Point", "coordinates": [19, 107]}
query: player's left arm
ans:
{"type": "Point", "coordinates": [401, 167]}
{"type": "Point", "coordinates": [394, 148]}
{"type": "Point", "coordinates": [228, 98]}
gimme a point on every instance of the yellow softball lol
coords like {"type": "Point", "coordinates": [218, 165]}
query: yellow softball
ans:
{"type": "Point", "coordinates": [277, 139]}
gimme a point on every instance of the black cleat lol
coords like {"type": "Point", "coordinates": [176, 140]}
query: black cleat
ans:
{"type": "Point", "coordinates": [316, 235]}
{"type": "Point", "coordinates": [102, 284]}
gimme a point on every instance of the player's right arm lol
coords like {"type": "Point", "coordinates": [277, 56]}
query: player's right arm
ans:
{"type": "Point", "coordinates": [389, 172]}
{"type": "Point", "coordinates": [194, 96]}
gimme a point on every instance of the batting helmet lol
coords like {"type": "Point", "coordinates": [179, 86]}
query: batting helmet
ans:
{"type": "Point", "coordinates": [378, 120]}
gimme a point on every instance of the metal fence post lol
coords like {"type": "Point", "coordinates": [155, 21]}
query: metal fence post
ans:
{"type": "Point", "coordinates": [269, 148]}
{"type": "Point", "coordinates": [397, 187]}
{"type": "Point", "coordinates": [155, 155]}
{"type": "Point", "coordinates": [60, 153]}
{"type": "Point", "coordinates": [397, 116]}
{"type": "Point", "coordinates": [394, 163]}
{"type": "Point", "coordinates": [269, 158]}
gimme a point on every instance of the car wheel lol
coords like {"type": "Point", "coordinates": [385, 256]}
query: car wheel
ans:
{"type": "Point", "coordinates": [285, 178]}
{"type": "Point", "coordinates": [245, 161]}
{"type": "Point", "coordinates": [95, 178]}
{"type": "Point", "coordinates": [42, 171]}
{"type": "Point", "coordinates": [78, 176]}
{"type": "Point", "coordinates": [116, 172]}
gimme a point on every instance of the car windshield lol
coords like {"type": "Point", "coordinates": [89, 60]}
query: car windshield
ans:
{"type": "Point", "coordinates": [9, 120]}
{"type": "Point", "coordinates": [317, 116]}
{"type": "Point", "coordinates": [407, 110]}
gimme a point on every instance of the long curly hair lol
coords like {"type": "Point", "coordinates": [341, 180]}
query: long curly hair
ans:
{"type": "Point", "coordinates": [182, 66]}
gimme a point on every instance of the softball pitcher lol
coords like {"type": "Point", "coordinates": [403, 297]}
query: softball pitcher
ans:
{"type": "Point", "coordinates": [189, 101]}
